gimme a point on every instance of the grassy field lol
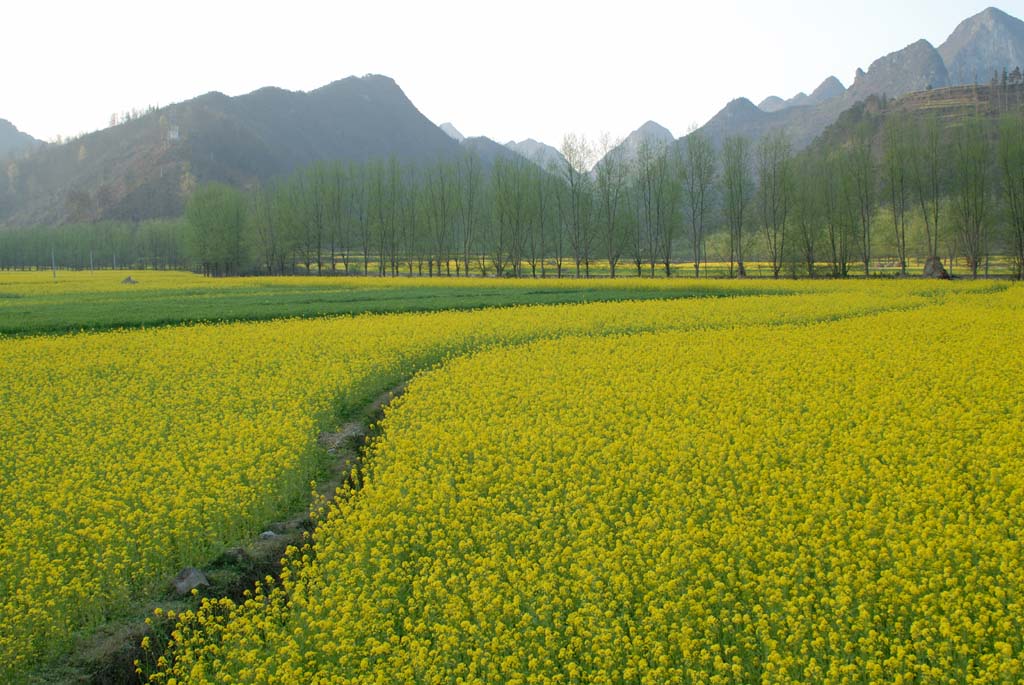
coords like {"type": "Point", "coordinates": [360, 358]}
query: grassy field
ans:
{"type": "Point", "coordinates": [33, 303]}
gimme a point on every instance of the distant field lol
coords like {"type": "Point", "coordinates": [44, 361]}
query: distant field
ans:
{"type": "Point", "coordinates": [33, 303]}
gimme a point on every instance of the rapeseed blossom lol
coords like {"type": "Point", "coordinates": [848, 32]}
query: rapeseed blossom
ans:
{"type": "Point", "coordinates": [127, 455]}
{"type": "Point", "coordinates": [834, 498]}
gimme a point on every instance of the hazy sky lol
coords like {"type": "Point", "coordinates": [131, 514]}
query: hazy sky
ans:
{"type": "Point", "coordinates": [505, 70]}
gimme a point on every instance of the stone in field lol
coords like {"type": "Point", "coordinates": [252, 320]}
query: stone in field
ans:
{"type": "Point", "coordinates": [235, 555]}
{"type": "Point", "coordinates": [189, 579]}
{"type": "Point", "coordinates": [933, 269]}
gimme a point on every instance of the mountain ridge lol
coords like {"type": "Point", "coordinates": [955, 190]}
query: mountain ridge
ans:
{"type": "Point", "coordinates": [145, 167]}
{"type": "Point", "coordinates": [15, 142]}
{"type": "Point", "coordinates": [828, 89]}
{"type": "Point", "coordinates": [540, 153]}
{"type": "Point", "coordinates": [992, 39]}
{"type": "Point", "coordinates": [627, 150]}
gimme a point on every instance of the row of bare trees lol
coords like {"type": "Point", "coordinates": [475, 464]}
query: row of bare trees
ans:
{"type": "Point", "coordinates": [151, 244]}
{"type": "Point", "coordinates": [896, 188]}
{"type": "Point", "coordinates": [906, 186]}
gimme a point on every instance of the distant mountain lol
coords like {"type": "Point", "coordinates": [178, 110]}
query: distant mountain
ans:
{"type": "Point", "coordinates": [742, 117]}
{"type": "Point", "coordinates": [487, 150]}
{"type": "Point", "coordinates": [146, 167]}
{"type": "Point", "coordinates": [830, 88]}
{"type": "Point", "coordinates": [983, 45]}
{"type": "Point", "coordinates": [980, 46]}
{"type": "Point", "coordinates": [449, 128]}
{"type": "Point", "coordinates": [772, 103]}
{"type": "Point", "coordinates": [776, 104]}
{"type": "Point", "coordinates": [918, 66]}
{"type": "Point", "coordinates": [802, 124]}
{"type": "Point", "coordinates": [540, 153]}
{"type": "Point", "coordinates": [13, 141]}
{"type": "Point", "coordinates": [651, 133]}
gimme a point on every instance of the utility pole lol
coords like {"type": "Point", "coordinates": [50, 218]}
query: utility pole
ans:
{"type": "Point", "coordinates": [53, 263]}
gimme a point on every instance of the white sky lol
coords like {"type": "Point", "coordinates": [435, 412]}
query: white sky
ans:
{"type": "Point", "coordinates": [506, 70]}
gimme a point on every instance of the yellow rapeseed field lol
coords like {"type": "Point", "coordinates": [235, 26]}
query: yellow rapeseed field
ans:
{"type": "Point", "coordinates": [818, 502]}
{"type": "Point", "coordinates": [127, 455]}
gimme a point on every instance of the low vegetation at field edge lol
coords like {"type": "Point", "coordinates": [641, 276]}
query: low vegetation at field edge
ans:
{"type": "Point", "coordinates": [31, 303]}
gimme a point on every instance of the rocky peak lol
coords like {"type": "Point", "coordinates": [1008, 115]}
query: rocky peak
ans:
{"type": "Point", "coordinates": [916, 67]}
{"type": "Point", "coordinates": [536, 151]}
{"type": "Point", "coordinates": [829, 88]}
{"type": "Point", "coordinates": [772, 103]}
{"type": "Point", "coordinates": [982, 45]}
{"type": "Point", "coordinates": [452, 132]}
{"type": "Point", "coordinates": [652, 131]}
{"type": "Point", "coordinates": [740, 108]}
